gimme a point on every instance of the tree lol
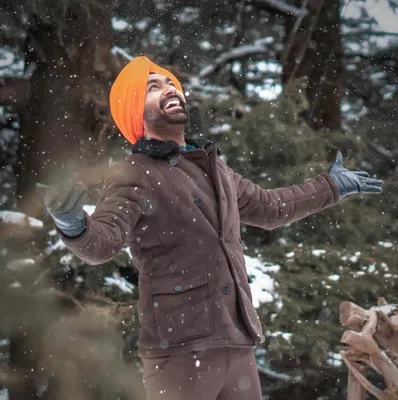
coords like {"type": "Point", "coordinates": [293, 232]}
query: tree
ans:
{"type": "Point", "coordinates": [313, 63]}
{"type": "Point", "coordinates": [61, 96]}
{"type": "Point", "coordinates": [226, 53]}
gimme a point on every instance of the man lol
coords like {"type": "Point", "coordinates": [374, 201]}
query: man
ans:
{"type": "Point", "coordinates": [178, 207]}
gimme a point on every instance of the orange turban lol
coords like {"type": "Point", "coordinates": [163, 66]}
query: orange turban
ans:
{"type": "Point", "coordinates": [127, 96]}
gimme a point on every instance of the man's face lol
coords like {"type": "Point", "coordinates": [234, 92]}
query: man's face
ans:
{"type": "Point", "coordinates": [164, 104]}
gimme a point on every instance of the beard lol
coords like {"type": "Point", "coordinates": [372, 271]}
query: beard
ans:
{"type": "Point", "coordinates": [162, 119]}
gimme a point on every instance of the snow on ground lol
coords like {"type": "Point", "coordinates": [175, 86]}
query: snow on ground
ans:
{"type": "Point", "coordinates": [15, 217]}
{"type": "Point", "coordinates": [89, 208]}
{"type": "Point", "coordinates": [120, 282]}
{"type": "Point", "coordinates": [58, 245]}
{"type": "Point", "coordinates": [18, 265]}
{"type": "Point", "coordinates": [66, 259]}
{"type": "Point", "coordinates": [126, 249]}
{"type": "Point", "coordinates": [262, 284]}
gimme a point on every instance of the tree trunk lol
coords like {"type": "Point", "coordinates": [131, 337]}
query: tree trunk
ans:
{"type": "Point", "coordinates": [63, 124]}
{"type": "Point", "coordinates": [312, 63]}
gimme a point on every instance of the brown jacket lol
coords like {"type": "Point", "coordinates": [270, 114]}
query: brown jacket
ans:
{"type": "Point", "coordinates": [180, 214]}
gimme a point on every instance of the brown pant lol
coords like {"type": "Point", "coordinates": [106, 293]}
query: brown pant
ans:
{"type": "Point", "coordinates": [213, 374]}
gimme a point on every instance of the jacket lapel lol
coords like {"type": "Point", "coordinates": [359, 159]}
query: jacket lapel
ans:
{"type": "Point", "coordinates": [163, 149]}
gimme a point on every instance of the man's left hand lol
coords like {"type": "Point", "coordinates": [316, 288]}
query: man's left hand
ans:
{"type": "Point", "coordinates": [350, 182]}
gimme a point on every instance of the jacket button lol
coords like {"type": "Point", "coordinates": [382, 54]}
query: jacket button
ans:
{"type": "Point", "coordinates": [198, 202]}
{"type": "Point", "coordinates": [177, 288]}
{"type": "Point", "coordinates": [173, 161]}
{"type": "Point", "coordinates": [225, 289]}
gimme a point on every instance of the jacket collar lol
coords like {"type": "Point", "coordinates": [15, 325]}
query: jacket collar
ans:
{"type": "Point", "coordinates": [162, 148]}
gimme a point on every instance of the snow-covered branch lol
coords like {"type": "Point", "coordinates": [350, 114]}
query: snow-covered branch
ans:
{"type": "Point", "coordinates": [283, 7]}
{"type": "Point", "coordinates": [361, 32]}
{"type": "Point", "coordinates": [120, 52]}
{"type": "Point", "coordinates": [236, 53]}
{"type": "Point", "coordinates": [279, 376]}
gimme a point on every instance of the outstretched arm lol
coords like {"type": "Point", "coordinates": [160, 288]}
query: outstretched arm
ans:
{"type": "Point", "coordinates": [120, 206]}
{"type": "Point", "coordinates": [272, 208]}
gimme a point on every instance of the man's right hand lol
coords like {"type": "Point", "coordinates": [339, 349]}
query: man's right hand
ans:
{"type": "Point", "coordinates": [66, 199]}
{"type": "Point", "coordinates": [65, 205]}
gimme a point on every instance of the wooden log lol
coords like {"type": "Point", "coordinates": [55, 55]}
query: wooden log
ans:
{"type": "Point", "coordinates": [355, 391]}
{"type": "Point", "coordinates": [352, 316]}
{"type": "Point", "coordinates": [374, 342]}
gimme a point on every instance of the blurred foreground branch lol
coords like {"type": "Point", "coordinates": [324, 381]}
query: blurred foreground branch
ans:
{"type": "Point", "coordinates": [65, 340]}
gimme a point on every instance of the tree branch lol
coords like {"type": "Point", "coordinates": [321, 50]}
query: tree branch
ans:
{"type": "Point", "coordinates": [281, 6]}
{"type": "Point", "coordinates": [360, 32]}
{"type": "Point", "coordinates": [15, 92]}
{"type": "Point", "coordinates": [234, 54]}
{"type": "Point", "coordinates": [355, 22]}
{"type": "Point", "coordinates": [292, 35]}
{"type": "Point", "coordinates": [279, 376]}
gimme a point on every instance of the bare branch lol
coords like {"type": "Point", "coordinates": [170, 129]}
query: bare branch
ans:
{"type": "Point", "coordinates": [292, 34]}
{"type": "Point", "coordinates": [310, 30]}
{"type": "Point", "coordinates": [384, 153]}
{"type": "Point", "coordinates": [283, 7]}
{"type": "Point", "coordinates": [236, 53]}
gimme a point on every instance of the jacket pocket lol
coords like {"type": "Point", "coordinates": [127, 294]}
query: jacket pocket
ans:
{"type": "Point", "coordinates": [181, 308]}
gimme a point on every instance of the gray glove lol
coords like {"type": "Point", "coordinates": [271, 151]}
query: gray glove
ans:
{"type": "Point", "coordinates": [65, 205]}
{"type": "Point", "coordinates": [350, 182]}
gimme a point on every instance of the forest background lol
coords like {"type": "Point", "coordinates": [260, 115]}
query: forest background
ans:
{"type": "Point", "coordinates": [281, 85]}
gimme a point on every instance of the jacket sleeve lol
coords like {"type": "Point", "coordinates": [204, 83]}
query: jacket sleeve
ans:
{"type": "Point", "coordinates": [272, 208]}
{"type": "Point", "coordinates": [122, 202]}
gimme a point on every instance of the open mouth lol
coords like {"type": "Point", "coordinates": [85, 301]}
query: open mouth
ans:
{"type": "Point", "coordinates": [173, 104]}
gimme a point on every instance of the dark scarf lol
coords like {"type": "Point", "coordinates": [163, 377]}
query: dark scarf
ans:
{"type": "Point", "coordinates": [162, 148]}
